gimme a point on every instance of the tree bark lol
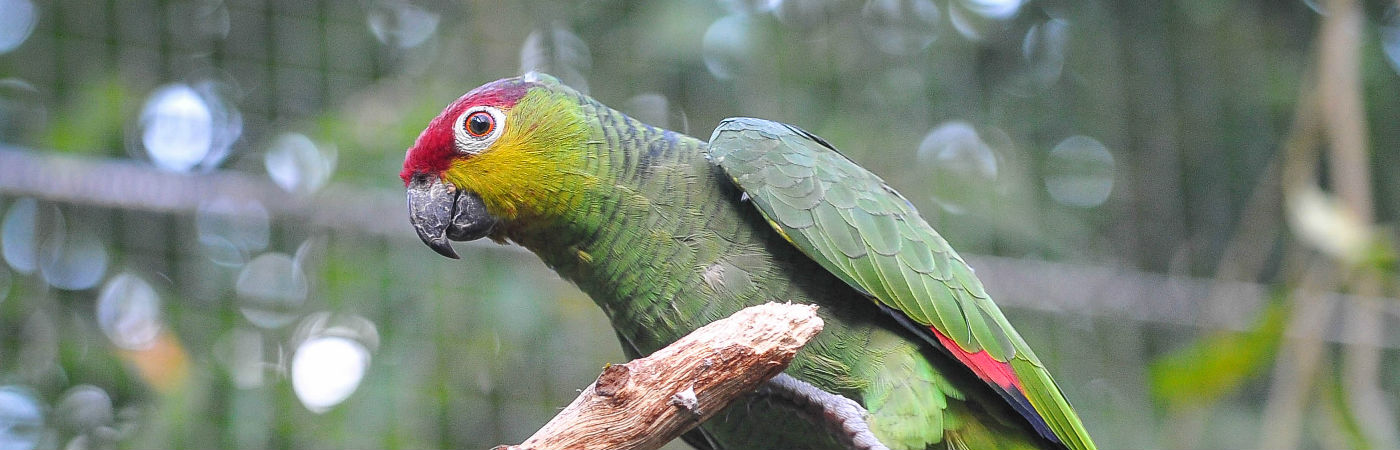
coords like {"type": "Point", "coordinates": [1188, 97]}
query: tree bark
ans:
{"type": "Point", "coordinates": [647, 402]}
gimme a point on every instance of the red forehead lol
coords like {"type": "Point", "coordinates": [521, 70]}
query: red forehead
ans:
{"type": "Point", "coordinates": [433, 152]}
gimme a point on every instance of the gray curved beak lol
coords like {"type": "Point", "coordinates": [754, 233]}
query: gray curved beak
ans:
{"type": "Point", "coordinates": [439, 212]}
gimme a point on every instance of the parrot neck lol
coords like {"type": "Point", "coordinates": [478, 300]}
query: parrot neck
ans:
{"type": "Point", "coordinates": [623, 240]}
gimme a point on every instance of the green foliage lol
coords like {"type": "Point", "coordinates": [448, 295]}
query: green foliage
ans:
{"type": "Point", "coordinates": [92, 121]}
{"type": "Point", "coordinates": [1336, 393]}
{"type": "Point", "coordinates": [1219, 364]}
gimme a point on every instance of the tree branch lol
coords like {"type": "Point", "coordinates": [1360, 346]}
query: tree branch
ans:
{"type": "Point", "coordinates": [649, 401]}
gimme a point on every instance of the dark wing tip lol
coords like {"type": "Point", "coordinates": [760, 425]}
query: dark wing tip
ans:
{"type": "Point", "coordinates": [737, 124]}
{"type": "Point", "coordinates": [813, 137]}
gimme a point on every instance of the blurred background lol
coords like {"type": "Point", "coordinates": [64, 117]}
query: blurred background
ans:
{"type": "Point", "coordinates": [1187, 206]}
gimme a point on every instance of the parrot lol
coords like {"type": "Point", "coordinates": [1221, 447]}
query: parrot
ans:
{"type": "Point", "coordinates": [666, 233]}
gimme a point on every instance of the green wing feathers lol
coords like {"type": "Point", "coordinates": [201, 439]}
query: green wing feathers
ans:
{"type": "Point", "coordinates": [858, 228]}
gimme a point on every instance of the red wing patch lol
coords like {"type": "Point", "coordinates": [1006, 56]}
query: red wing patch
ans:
{"type": "Point", "coordinates": [999, 376]}
{"type": "Point", "coordinates": [1002, 379]}
{"type": "Point", "coordinates": [982, 364]}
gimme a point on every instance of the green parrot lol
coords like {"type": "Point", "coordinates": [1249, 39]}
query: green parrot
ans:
{"type": "Point", "coordinates": [668, 233]}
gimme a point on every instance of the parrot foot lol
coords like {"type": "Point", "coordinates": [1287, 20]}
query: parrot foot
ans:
{"type": "Point", "coordinates": [840, 414]}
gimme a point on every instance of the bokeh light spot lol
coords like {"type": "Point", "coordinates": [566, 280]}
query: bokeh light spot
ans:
{"type": "Point", "coordinates": [727, 47]}
{"type": "Point", "coordinates": [128, 311]}
{"type": "Point", "coordinates": [1043, 50]}
{"type": "Point", "coordinates": [900, 27]}
{"type": "Point", "coordinates": [21, 418]}
{"type": "Point", "coordinates": [271, 290]}
{"type": "Point", "coordinates": [19, 236]}
{"type": "Point", "coordinates": [962, 167]}
{"type": "Point", "coordinates": [16, 23]}
{"type": "Point", "coordinates": [82, 408]}
{"type": "Point", "coordinates": [993, 9]}
{"type": "Point", "coordinates": [401, 24]}
{"type": "Point", "coordinates": [298, 165]}
{"type": "Point", "coordinates": [184, 127]}
{"type": "Point", "coordinates": [75, 263]}
{"type": "Point", "coordinates": [749, 6]}
{"type": "Point", "coordinates": [22, 109]}
{"type": "Point", "coordinates": [177, 128]}
{"type": "Point", "coordinates": [1390, 36]}
{"type": "Point", "coordinates": [1079, 172]}
{"type": "Point", "coordinates": [326, 370]}
{"type": "Point", "coordinates": [231, 229]}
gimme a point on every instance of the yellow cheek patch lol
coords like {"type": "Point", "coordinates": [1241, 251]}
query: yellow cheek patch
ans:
{"type": "Point", "coordinates": [534, 167]}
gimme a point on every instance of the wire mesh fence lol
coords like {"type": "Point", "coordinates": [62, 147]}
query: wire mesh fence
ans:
{"type": "Point", "coordinates": [205, 243]}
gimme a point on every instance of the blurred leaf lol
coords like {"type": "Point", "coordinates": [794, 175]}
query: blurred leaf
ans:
{"type": "Point", "coordinates": [1344, 415]}
{"type": "Point", "coordinates": [1217, 364]}
{"type": "Point", "coordinates": [92, 121]}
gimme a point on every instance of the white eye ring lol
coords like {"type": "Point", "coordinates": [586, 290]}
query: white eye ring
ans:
{"type": "Point", "coordinates": [475, 144]}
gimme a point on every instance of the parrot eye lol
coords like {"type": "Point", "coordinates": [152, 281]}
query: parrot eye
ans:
{"type": "Point", "coordinates": [477, 128]}
{"type": "Point", "coordinates": [479, 123]}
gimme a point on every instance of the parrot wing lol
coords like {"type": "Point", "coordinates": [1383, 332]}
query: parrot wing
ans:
{"type": "Point", "coordinates": [858, 228]}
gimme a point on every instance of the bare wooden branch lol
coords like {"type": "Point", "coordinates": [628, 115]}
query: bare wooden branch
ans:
{"type": "Point", "coordinates": [649, 401]}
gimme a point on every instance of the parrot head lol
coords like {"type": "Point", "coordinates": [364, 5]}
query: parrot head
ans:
{"type": "Point", "coordinates": [502, 153]}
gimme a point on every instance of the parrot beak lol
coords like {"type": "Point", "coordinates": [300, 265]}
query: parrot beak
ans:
{"type": "Point", "coordinates": [439, 211]}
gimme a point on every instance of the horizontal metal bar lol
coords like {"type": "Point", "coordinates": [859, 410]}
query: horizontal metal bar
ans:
{"type": "Point", "coordinates": [1021, 283]}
